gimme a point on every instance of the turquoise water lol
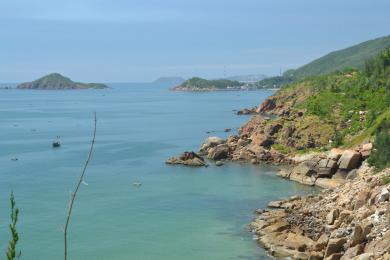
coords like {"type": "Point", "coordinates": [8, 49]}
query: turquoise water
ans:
{"type": "Point", "coordinates": [178, 213]}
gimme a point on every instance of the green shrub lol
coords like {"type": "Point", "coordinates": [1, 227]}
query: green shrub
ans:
{"type": "Point", "coordinates": [380, 157]}
{"type": "Point", "coordinates": [385, 180]}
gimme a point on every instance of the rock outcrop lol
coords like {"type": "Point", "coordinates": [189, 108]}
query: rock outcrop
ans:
{"type": "Point", "coordinates": [188, 159]}
{"type": "Point", "coordinates": [351, 221]}
{"type": "Point", "coordinates": [327, 170]}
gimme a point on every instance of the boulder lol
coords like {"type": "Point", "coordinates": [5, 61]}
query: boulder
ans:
{"type": "Point", "coordinates": [361, 199]}
{"type": "Point", "coordinates": [336, 256]}
{"type": "Point", "coordinates": [321, 243]}
{"type": "Point", "coordinates": [335, 154]}
{"type": "Point", "coordinates": [332, 216]}
{"type": "Point", "coordinates": [266, 106]}
{"type": "Point", "coordinates": [365, 256]}
{"type": "Point", "coordinates": [219, 152]}
{"type": "Point", "coordinates": [357, 236]}
{"type": "Point", "coordinates": [275, 204]}
{"type": "Point", "coordinates": [349, 160]}
{"type": "Point", "coordinates": [188, 159]}
{"type": "Point", "coordinates": [218, 163]}
{"type": "Point", "coordinates": [209, 143]}
{"type": "Point", "coordinates": [352, 252]}
{"type": "Point", "coordinates": [306, 168]}
{"type": "Point", "coordinates": [366, 149]}
{"type": "Point", "coordinates": [383, 196]}
{"type": "Point", "coordinates": [335, 245]}
{"type": "Point", "coordinates": [332, 164]}
{"type": "Point", "coordinates": [324, 172]}
{"type": "Point", "coordinates": [329, 183]}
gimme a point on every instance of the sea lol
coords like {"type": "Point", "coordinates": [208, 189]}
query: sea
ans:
{"type": "Point", "coordinates": [131, 205]}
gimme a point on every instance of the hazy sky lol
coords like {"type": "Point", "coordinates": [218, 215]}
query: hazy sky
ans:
{"type": "Point", "coordinates": [128, 40]}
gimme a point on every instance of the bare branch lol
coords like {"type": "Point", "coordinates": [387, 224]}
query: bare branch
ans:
{"type": "Point", "coordinates": [74, 193]}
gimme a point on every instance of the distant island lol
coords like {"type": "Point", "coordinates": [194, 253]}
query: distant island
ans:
{"type": "Point", "coordinates": [56, 81]}
{"type": "Point", "coordinates": [169, 81]}
{"type": "Point", "coordinates": [198, 85]}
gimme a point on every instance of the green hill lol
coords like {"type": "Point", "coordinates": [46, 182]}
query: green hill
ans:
{"type": "Point", "coordinates": [338, 109]}
{"type": "Point", "coordinates": [56, 81]}
{"type": "Point", "coordinates": [199, 84]}
{"type": "Point", "coordinates": [351, 57]}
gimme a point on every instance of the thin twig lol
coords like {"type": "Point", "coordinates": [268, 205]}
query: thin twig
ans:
{"type": "Point", "coordinates": [74, 194]}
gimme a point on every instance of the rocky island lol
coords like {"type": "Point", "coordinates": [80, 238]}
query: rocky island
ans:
{"type": "Point", "coordinates": [56, 81]}
{"type": "Point", "coordinates": [201, 85]}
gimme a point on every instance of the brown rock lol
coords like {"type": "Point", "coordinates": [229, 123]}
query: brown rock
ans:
{"type": "Point", "coordinates": [275, 204]}
{"type": "Point", "coordinates": [366, 149]}
{"type": "Point", "coordinates": [266, 106]}
{"type": "Point", "coordinates": [332, 216]}
{"type": "Point", "coordinates": [335, 245]}
{"type": "Point", "coordinates": [329, 183]}
{"type": "Point", "coordinates": [336, 256]}
{"type": "Point", "coordinates": [352, 252]}
{"type": "Point", "coordinates": [321, 243]}
{"type": "Point", "coordinates": [335, 154]}
{"type": "Point", "coordinates": [219, 152]}
{"type": "Point", "coordinates": [349, 160]}
{"type": "Point", "coordinates": [324, 172]}
{"type": "Point", "coordinates": [361, 199]}
{"type": "Point", "coordinates": [357, 236]}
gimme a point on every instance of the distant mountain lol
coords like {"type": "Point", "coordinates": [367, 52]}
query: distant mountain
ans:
{"type": "Point", "coordinates": [351, 57]}
{"type": "Point", "coordinates": [250, 78]}
{"type": "Point", "coordinates": [169, 81]}
{"type": "Point", "coordinates": [199, 84]}
{"type": "Point", "coordinates": [56, 81]}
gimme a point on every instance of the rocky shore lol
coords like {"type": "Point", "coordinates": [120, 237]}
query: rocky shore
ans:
{"type": "Point", "coordinates": [350, 218]}
{"type": "Point", "coordinates": [351, 221]}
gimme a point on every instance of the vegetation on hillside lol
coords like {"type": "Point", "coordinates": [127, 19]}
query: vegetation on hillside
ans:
{"type": "Point", "coordinates": [339, 109]}
{"type": "Point", "coordinates": [352, 57]}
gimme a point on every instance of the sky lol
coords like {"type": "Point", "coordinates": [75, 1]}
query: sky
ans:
{"type": "Point", "coordinates": [141, 40]}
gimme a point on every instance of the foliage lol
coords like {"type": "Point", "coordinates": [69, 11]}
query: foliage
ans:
{"type": "Point", "coordinates": [11, 251]}
{"type": "Point", "coordinates": [380, 157]}
{"type": "Point", "coordinates": [352, 57]}
{"type": "Point", "coordinates": [210, 84]}
{"type": "Point", "coordinates": [385, 180]}
{"type": "Point", "coordinates": [274, 82]}
{"type": "Point", "coordinates": [352, 100]}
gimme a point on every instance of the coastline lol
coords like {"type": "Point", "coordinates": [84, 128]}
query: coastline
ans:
{"type": "Point", "coordinates": [347, 220]}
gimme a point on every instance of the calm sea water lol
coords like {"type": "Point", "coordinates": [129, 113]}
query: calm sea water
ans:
{"type": "Point", "coordinates": [177, 213]}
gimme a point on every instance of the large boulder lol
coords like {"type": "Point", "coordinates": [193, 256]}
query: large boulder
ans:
{"type": "Point", "coordinates": [365, 149]}
{"type": "Point", "coordinates": [349, 160]}
{"type": "Point", "coordinates": [266, 106]}
{"type": "Point", "coordinates": [335, 245]}
{"type": "Point", "coordinates": [209, 143]}
{"type": "Point", "coordinates": [219, 152]}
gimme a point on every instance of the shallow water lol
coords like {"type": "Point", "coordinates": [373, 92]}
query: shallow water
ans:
{"type": "Point", "coordinates": [177, 213]}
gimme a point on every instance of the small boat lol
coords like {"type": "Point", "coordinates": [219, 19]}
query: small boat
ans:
{"type": "Point", "coordinates": [56, 142]}
{"type": "Point", "coordinates": [137, 184]}
{"type": "Point", "coordinates": [14, 159]}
